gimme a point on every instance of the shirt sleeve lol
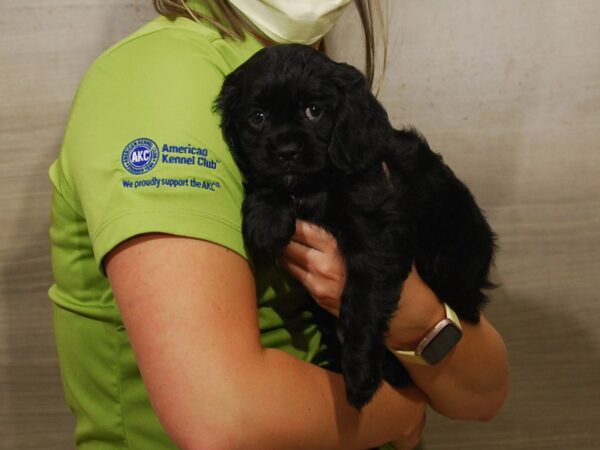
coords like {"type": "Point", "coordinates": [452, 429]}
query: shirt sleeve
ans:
{"type": "Point", "coordinates": [143, 151]}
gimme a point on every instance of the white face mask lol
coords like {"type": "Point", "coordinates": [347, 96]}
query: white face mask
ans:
{"type": "Point", "coordinates": [292, 21]}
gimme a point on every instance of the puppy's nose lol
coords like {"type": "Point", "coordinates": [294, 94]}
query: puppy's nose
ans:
{"type": "Point", "coordinates": [288, 151]}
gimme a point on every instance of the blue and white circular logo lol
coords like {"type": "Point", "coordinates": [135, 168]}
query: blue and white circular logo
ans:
{"type": "Point", "coordinates": [140, 156]}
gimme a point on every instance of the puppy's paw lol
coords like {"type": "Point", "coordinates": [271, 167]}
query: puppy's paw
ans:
{"type": "Point", "coordinates": [361, 385]}
{"type": "Point", "coordinates": [361, 366]}
{"type": "Point", "coordinates": [268, 230]}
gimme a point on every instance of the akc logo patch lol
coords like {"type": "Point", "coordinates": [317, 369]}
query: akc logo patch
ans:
{"type": "Point", "coordinates": [140, 156]}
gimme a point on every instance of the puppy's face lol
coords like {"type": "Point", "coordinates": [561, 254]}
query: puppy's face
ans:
{"type": "Point", "coordinates": [290, 112]}
{"type": "Point", "coordinates": [279, 111]}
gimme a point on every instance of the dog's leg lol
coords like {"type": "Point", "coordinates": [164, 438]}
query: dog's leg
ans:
{"type": "Point", "coordinates": [455, 254]}
{"type": "Point", "coordinates": [455, 243]}
{"type": "Point", "coordinates": [269, 222]}
{"type": "Point", "coordinates": [375, 273]}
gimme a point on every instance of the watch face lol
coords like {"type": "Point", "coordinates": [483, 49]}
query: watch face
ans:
{"type": "Point", "coordinates": [441, 344]}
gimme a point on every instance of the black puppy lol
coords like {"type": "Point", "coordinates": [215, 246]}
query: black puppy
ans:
{"type": "Point", "coordinates": [314, 143]}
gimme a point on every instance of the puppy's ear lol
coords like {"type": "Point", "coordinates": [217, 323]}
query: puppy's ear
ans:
{"type": "Point", "coordinates": [227, 104]}
{"type": "Point", "coordinates": [362, 128]}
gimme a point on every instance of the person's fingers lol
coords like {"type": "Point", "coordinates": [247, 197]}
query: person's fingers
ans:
{"type": "Point", "coordinates": [295, 270]}
{"type": "Point", "coordinates": [325, 294]}
{"type": "Point", "coordinates": [297, 253]}
{"type": "Point", "coordinates": [323, 265]}
{"type": "Point", "coordinates": [313, 236]}
{"type": "Point", "coordinates": [313, 259]}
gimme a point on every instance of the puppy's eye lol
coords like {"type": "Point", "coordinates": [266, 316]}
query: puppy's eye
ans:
{"type": "Point", "coordinates": [313, 112]}
{"type": "Point", "coordinates": [256, 118]}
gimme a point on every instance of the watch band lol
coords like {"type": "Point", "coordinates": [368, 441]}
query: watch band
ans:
{"type": "Point", "coordinates": [414, 356]}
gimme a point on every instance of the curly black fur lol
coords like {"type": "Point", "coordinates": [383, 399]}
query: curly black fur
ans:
{"type": "Point", "coordinates": [312, 143]}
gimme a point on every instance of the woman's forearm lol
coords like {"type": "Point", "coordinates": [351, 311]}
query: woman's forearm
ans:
{"type": "Point", "coordinates": [272, 400]}
{"type": "Point", "coordinates": [307, 397]}
{"type": "Point", "coordinates": [471, 382]}
{"type": "Point", "coordinates": [280, 402]}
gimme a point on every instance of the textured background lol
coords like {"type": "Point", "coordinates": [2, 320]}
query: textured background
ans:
{"type": "Point", "coordinates": [508, 91]}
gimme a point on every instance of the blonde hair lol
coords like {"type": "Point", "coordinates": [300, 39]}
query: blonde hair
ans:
{"type": "Point", "coordinates": [232, 25]}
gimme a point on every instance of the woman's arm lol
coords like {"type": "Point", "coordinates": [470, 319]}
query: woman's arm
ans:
{"type": "Point", "coordinates": [471, 382]}
{"type": "Point", "coordinates": [189, 308]}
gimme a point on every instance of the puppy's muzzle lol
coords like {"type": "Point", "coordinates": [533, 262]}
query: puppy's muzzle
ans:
{"type": "Point", "coordinates": [288, 151]}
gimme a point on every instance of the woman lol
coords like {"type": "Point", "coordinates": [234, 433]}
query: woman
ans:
{"type": "Point", "coordinates": [160, 339]}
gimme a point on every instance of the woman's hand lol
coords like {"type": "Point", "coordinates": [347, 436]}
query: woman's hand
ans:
{"type": "Point", "coordinates": [313, 258]}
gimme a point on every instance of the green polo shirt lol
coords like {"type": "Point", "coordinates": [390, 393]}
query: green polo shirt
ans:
{"type": "Point", "coordinates": [143, 152]}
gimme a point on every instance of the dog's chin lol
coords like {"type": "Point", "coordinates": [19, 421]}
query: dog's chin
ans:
{"type": "Point", "coordinates": [296, 176]}
{"type": "Point", "coordinates": [284, 181]}
{"type": "Point", "coordinates": [289, 181]}
{"type": "Point", "coordinates": [288, 176]}
{"type": "Point", "coordinates": [283, 176]}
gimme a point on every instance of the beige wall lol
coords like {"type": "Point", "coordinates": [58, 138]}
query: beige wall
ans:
{"type": "Point", "coordinates": [508, 91]}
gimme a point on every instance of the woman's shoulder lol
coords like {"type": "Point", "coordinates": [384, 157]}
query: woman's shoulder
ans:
{"type": "Point", "coordinates": [160, 42]}
{"type": "Point", "coordinates": [169, 46]}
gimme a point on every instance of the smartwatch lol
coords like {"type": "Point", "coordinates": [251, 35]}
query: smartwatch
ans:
{"type": "Point", "coordinates": [438, 342]}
